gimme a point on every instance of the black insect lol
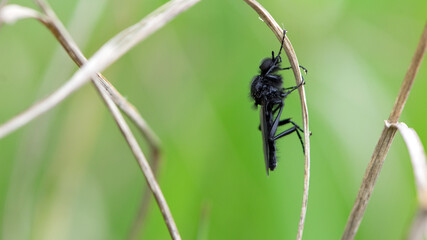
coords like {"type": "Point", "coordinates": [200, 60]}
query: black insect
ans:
{"type": "Point", "coordinates": [268, 92]}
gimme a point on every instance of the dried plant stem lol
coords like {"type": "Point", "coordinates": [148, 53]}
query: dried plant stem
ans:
{"type": "Point", "coordinates": [419, 166]}
{"type": "Point", "coordinates": [383, 145]}
{"type": "Point", "coordinates": [141, 215]}
{"type": "Point", "coordinates": [287, 46]}
{"type": "Point", "coordinates": [419, 225]}
{"type": "Point", "coordinates": [110, 52]}
{"type": "Point", "coordinates": [145, 167]}
{"type": "Point", "coordinates": [408, 81]}
{"type": "Point", "coordinates": [2, 3]}
{"type": "Point", "coordinates": [64, 38]}
{"type": "Point", "coordinates": [105, 87]}
{"type": "Point", "coordinates": [106, 55]}
{"type": "Point", "coordinates": [418, 159]}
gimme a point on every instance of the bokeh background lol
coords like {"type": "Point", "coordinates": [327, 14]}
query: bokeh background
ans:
{"type": "Point", "coordinates": [70, 175]}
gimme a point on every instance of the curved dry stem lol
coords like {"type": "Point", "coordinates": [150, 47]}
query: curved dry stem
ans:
{"type": "Point", "coordinates": [65, 39]}
{"type": "Point", "coordinates": [418, 159]}
{"type": "Point", "coordinates": [59, 31]}
{"type": "Point", "coordinates": [383, 145]}
{"type": "Point", "coordinates": [106, 55]}
{"type": "Point", "coordinates": [2, 4]}
{"type": "Point", "coordinates": [287, 46]}
{"type": "Point", "coordinates": [50, 20]}
{"type": "Point", "coordinates": [110, 52]}
{"type": "Point", "coordinates": [138, 223]}
{"type": "Point", "coordinates": [145, 167]}
{"type": "Point", "coordinates": [12, 13]}
{"type": "Point", "coordinates": [419, 226]}
{"type": "Point", "coordinates": [70, 46]}
{"type": "Point", "coordinates": [419, 166]}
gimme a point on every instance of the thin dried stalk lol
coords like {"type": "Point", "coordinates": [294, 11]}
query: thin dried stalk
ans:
{"type": "Point", "coordinates": [138, 223]}
{"type": "Point", "coordinates": [28, 159]}
{"type": "Point", "coordinates": [52, 22]}
{"type": "Point", "coordinates": [418, 159]}
{"type": "Point", "coordinates": [12, 13]}
{"type": "Point", "coordinates": [2, 4]}
{"type": "Point", "coordinates": [287, 46]}
{"type": "Point", "coordinates": [418, 229]}
{"type": "Point", "coordinates": [383, 145]}
{"type": "Point", "coordinates": [145, 167]}
{"type": "Point", "coordinates": [419, 166]}
{"type": "Point", "coordinates": [106, 55]}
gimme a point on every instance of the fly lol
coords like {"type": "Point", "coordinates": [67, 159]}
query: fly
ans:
{"type": "Point", "coordinates": [268, 92]}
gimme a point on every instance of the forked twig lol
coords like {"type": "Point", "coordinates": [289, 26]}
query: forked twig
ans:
{"type": "Point", "coordinates": [383, 145]}
{"type": "Point", "coordinates": [287, 46]}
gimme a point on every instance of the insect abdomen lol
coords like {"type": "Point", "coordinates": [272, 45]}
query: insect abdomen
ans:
{"type": "Point", "coordinates": [272, 162]}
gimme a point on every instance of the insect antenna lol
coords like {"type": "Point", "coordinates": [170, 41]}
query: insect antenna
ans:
{"type": "Point", "coordinates": [281, 45]}
{"type": "Point", "coordinates": [277, 59]}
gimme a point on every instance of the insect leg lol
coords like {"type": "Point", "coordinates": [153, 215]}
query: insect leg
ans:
{"type": "Point", "coordinates": [303, 68]}
{"type": "Point", "coordinates": [285, 121]}
{"type": "Point", "coordinates": [276, 122]}
{"type": "Point", "coordinates": [285, 133]}
{"type": "Point", "coordinates": [288, 120]}
{"type": "Point", "coordinates": [293, 88]}
{"type": "Point", "coordinates": [274, 112]}
{"type": "Point", "coordinates": [296, 129]}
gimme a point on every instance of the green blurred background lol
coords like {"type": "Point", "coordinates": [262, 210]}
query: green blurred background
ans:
{"type": "Point", "coordinates": [70, 175]}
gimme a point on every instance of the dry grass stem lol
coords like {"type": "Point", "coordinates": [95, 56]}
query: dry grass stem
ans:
{"type": "Point", "coordinates": [2, 4]}
{"type": "Point", "coordinates": [418, 229]}
{"type": "Point", "coordinates": [143, 163]}
{"type": "Point", "coordinates": [287, 46]}
{"type": "Point", "coordinates": [139, 221]}
{"type": "Point", "coordinates": [11, 13]}
{"type": "Point", "coordinates": [109, 53]}
{"type": "Point", "coordinates": [383, 145]}
{"type": "Point", "coordinates": [55, 26]}
{"type": "Point", "coordinates": [419, 166]}
{"type": "Point", "coordinates": [105, 56]}
{"type": "Point", "coordinates": [65, 39]}
{"type": "Point", "coordinates": [418, 159]}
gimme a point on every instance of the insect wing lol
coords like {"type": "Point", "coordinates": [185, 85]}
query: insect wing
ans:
{"type": "Point", "coordinates": [265, 120]}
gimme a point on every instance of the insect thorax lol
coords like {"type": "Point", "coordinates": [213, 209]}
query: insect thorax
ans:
{"type": "Point", "coordinates": [265, 91]}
